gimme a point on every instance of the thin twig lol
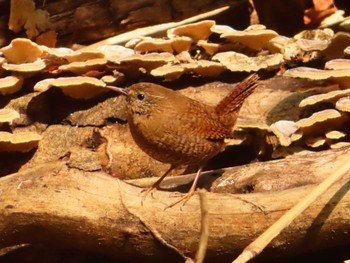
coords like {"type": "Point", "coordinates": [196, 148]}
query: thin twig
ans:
{"type": "Point", "coordinates": [203, 241]}
{"type": "Point", "coordinates": [146, 31]}
{"type": "Point", "coordinates": [255, 248]}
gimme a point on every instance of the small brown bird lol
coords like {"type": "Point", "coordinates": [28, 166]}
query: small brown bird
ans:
{"type": "Point", "coordinates": [175, 129]}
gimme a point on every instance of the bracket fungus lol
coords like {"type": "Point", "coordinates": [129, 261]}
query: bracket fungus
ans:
{"type": "Point", "coordinates": [238, 62]}
{"type": "Point", "coordinates": [277, 44]}
{"type": "Point", "coordinates": [209, 48]}
{"type": "Point", "coordinates": [84, 55]}
{"type": "Point", "coordinates": [343, 104]}
{"type": "Point", "coordinates": [10, 84]}
{"type": "Point", "coordinates": [131, 65]}
{"type": "Point", "coordinates": [196, 31]}
{"type": "Point", "coordinates": [60, 52]}
{"type": "Point", "coordinates": [338, 145]}
{"type": "Point", "coordinates": [347, 51]}
{"type": "Point", "coordinates": [81, 67]}
{"type": "Point", "coordinates": [319, 116]}
{"type": "Point", "coordinates": [115, 52]}
{"type": "Point", "coordinates": [200, 67]}
{"type": "Point", "coordinates": [221, 29]}
{"type": "Point", "coordinates": [21, 50]}
{"type": "Point", "coordinates": [75, 87]}
{"type": "Point", "coordinates": [256, 39]}
{"type": "Point", "coordinates": [315, 142]}
{"type": "Point", "coordinates": [169, 71]}
{"type": "Point", "coordinates": [340, 76]}
{"type": "Point", "coordinates": [332, 95]}
{"type": "Point", "coordinates": [173, 45]}
{"type": "Point", "coordinates": [335, 135]}
{"type": "Point", "coordinates": [319, 129]}
{"type": "Point", "coordinates": [338, 64]}
{"type": "Point", "coordinates": [284, 129]}
{"type": "Point", "coordinates": [18, 142]}
{"type": "Point", "coordinates": [8, 116]}
{"type": "Point", "coordinates": [26, 69]}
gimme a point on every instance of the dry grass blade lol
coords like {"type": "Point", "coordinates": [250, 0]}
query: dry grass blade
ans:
{"type": "Point", "coordinates": [203, 241]}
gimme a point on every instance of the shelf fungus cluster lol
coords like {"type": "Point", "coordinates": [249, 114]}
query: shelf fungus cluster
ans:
{"type": "Point", "coordinates": [325, 118]}
{"type": "Point", "coordinates": [202, 49]}
{"type": "Point", "coordinates": [195, 52]}
{"type": "Point", "coordinates": [199, 49]}
{"type": "Point", "coordinates": [323, 128]}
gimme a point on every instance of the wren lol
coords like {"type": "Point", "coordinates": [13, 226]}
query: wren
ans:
{"type": "Point", "coordinates": [175, 129]}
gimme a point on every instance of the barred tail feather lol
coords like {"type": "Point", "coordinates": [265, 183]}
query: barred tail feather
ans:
{"type": "Point", "coordinates": [234, 100]}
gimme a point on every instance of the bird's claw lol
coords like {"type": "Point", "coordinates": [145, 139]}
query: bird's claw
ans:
{"type": "Point", "coordinates": [183, 199]}
{"type": "Point", "coordinates": [146, 191]}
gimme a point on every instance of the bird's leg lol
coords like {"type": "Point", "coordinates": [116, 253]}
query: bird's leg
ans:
{"type": "Point", "coordinates": [156, 185]}
{"type": "Point", "coordinates": [192, 190]}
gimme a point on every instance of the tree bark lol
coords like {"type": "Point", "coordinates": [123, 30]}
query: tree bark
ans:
{"type": "Point", "coordinates": [66, 207]}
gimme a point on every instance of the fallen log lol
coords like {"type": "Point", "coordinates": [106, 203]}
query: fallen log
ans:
{"type": "Point", "coordinates": [61, 206]}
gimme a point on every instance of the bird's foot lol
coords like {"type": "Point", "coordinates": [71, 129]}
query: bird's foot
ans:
{"type": "Point", "coordinates": [146, 191]}
{"type": "Point", "coordinates": [184, 199]}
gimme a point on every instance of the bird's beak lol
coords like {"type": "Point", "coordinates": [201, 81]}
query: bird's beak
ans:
{"type": "Point", "coordinates": [119, 90]}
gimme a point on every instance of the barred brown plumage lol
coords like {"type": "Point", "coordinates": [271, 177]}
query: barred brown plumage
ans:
{"type": "Point", "coordinates": [175, 129]}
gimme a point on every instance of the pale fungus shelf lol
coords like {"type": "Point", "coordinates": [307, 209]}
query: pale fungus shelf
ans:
{"type": "Point", "coordinates": [277, 44]}
{"type": "Point", "coordinates": [343, 104]}
{"type": "Point", "coordinates": [284, 129]}
{"type": "Point", "coordinates": [115, 79]}
{"type": "Point", "coordinates": [8, 116]}
{"type": "Point", "coordinates": [315, 142]}
{"type": "Point", "coordinates": [10, 84]}
{"type": "Point", "coordinates": [115, 52]}
{"type": "Point", "coordinates": [196, 31]}
{"type": "Point", "coordinates": [18, 142]}
{"type": "Point", "coordinates": [335, 135]}
{"type": "Point", "coordinates": [347, 51]}
{"type": "Point", "coordinates": [26, 69]}
{"type": "Point", "coordinates": [332, 95]}
{"type": "Point", "coordinates": [169, 72]}
{"type": "Point", "coordinates": [79, 56]}
{"type": "Point", "coordinates": [340, 76]}
{"type": "Point", "coordinates": [320, 116]}
{"type": "Point", "coordinates": [339, 145]}
{"type": "Point", "coordinates": [209, 48]}
{"type": "Point", "coordinates": [173, 45]}
{"type": "Point", "coordinates": [338, 64]}
{"type": "Point", "coordinates": [254, 38]}
{"type": "Point", "coordinates": [21, 51]}
{"type": "Point", "coordinates": [75, 87]}
{"type": "Point", "coordinates": [238, 62]}
{"type": "Point", "coordinates": [2, 61]}
{"type": "Point", "coordinates": [60, 52]}
{"type": "Point", "coordinates": [146, 62]}
{"type": "Point", "coordinates": [200, 67]}
{"type": "Point", "coordinates": [81, 67]}
{"type": "Point", "coordinates": [221, 29]}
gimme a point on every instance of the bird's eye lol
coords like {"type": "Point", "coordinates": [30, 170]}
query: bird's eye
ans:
{"type": "Point", "coordinates": [140, 96]}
